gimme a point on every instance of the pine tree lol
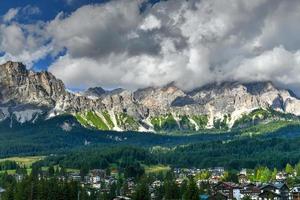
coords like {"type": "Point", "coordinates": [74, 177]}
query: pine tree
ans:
{"type": "Point", "coordinates": [142, 191]}
{"type": "Point", "coordinates": [192, 192]}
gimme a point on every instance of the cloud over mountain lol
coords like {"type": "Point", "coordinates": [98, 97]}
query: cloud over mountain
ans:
{"type": "Point", "coordinates": [123, 43]}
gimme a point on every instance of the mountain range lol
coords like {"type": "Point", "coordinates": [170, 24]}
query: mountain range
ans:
{"type": "Point", "coordinates": [27, 96]}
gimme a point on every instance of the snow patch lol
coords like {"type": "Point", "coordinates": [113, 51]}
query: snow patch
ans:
{"type": "Point", "coordinates": [4, 113]}
{"type": "Point", "coordinates": [193, 122]}
{"type": "Point", "coordinates": [66, 127]}
{"type": "Point", "coordinates": [114, 120]}
{"type": "Point", "coordinates": [26, 115]}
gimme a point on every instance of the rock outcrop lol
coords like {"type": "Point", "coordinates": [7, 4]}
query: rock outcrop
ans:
{"type": "Point", "coordinates": [25, 95]}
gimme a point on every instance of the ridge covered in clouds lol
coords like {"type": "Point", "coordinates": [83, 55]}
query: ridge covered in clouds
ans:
{"type": "Point", "coordinates": [189, 42]}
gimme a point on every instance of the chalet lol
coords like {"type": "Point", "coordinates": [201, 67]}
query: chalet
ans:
{"type": "Point", "coordinates": [244, 172]}
{"type": "Point", "coordinates": [231, 190]}
{"type": "Point", "coordinates": [250, 190]}
{"type": "Point", "coordinates": [283, 190]}
{"type": "Point", "coordinates": [278, 188]}
{"type": "Point", "coordinates": [295, 193]}
{"type": "Point", "coordinates": [243, 179]}
{"type": "Point", "coordinates": [269, 195]}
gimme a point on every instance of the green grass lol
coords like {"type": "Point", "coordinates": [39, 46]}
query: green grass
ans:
{"type": "Point", "coordinates": [96, 121]}
{"type": "Point", "coordinates": [108, 119]}
{"type": "Point", "coordinates": [24, 161]}
{"type": "Point", "coordinates": [268, 128]}
{"type": "Point", "coordinates": [200, 120]}
{"type": "Point", "coordinates": [164, 123]}
{"type": "Point", "coordinates": [13, 171]}
{"type": "Point", "coordinates": [260, 114]}
{"type": "Point", "coordinates": [91, 119]}
{"type": "Point", "coordinates": [9, 172]}
{"type": "Point", "coordinates": [126, 121]}
{"type": "Point", "coordinates": [27, 161]}
{"type": "Point", "coordinates": [222, 124]}
{"type": "Point", "coordinates": [81, 120]}
{"type": "Point", "coordinates": [186, 124]}
{"type": "Point", "coordinates": [156, 169]}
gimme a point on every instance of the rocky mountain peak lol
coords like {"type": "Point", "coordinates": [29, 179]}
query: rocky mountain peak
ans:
{"type": "Point", "coordinates": [94, 92]}
{"type": "Point", "coordinates": [257, 88]}
{"type": "Point", "coordinates": [150, 107]}
{"type": "Point", "coordinates": [13, 66]}
{"type": "Point", "coordinates": [24, 86]}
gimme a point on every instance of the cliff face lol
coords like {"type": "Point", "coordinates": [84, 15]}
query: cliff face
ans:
{"type": "Point", "coordinates": [26, 95]}
{"type": "Point", "coordinates": [23, 86]}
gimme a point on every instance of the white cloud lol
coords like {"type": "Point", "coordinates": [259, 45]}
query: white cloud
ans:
{"type": "Point", "coordinates": [150, 23]}
{"type": "Point", "coordinates": [30, 10]}
{"type": "Point", "coordinates": [278, 64]}
{"type": "Point", "coordinates": [191, 42]}
{"type": "Point", "coordinates": [11, 14]}
{"type": "Point", "coordinates": [23, 43]}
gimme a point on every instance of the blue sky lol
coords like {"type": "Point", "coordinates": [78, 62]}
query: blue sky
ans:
{"type": "Point", "coordinates": [48, 11]}
{"type": "Point", "coordinates": [50, 8]}
{"type": "Point", "coordinates": [133, 44]}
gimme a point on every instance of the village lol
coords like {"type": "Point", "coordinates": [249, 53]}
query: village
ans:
{"type": "Point", "coordinates": [211, 183]}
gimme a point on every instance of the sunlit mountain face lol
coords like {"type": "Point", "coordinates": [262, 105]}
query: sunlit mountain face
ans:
{"type": "Point", "coordinates": [29, 96]}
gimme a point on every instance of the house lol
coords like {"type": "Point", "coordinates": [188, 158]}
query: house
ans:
{"type": "Point", "coordinates": [19, 177]}
{"type": "Point", "coordinates": [227, 188]}
{"type": "Point", "coordinates": [250, 190]}
{"type": "Point", "coordinates": [156, 184]}
{"type": "Point", "coordinates": [281, 176]}
{"type": "Point", "coordinates": [96, 185]}
{"type": "Point", "coordinates": [218, 196]}
{"type": "Point", "coordinates": [203, 197]}
{"type": "Point", "coordinates": [179, 181]}
{"type": "Point", "coordinates": [283, 190]}
{"type": "Point", "coordinates": [98, 172]}
{"type": "Point", "coordinates": [279, 188]}
{"type": "Point", "coordinates": [215, 179]}
{"type": "Point", "coordinates": [1, 192]}
{"type": "Point", "coordinates": [295, 193]}
{"type": "Point", "coordinates": [75, 177]}
{"type": "Point", "coordinates": [269, 195]}
{"type": "Point", "coordinates": [217, 171]}
{"type": "Point", "coordinates": [243, 179]}
{"type": "Point", "coordinates": [244, 172]}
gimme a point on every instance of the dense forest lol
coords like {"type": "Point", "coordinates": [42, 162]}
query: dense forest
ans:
{"type": "Point", "coordinates": [48, 137]}
{"type": "Point", "coordinates": [237, 154]}
{"type": "Point", "coordinates": [80, 147]}
{"type": "Point", "coordinates": [242, 153]}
